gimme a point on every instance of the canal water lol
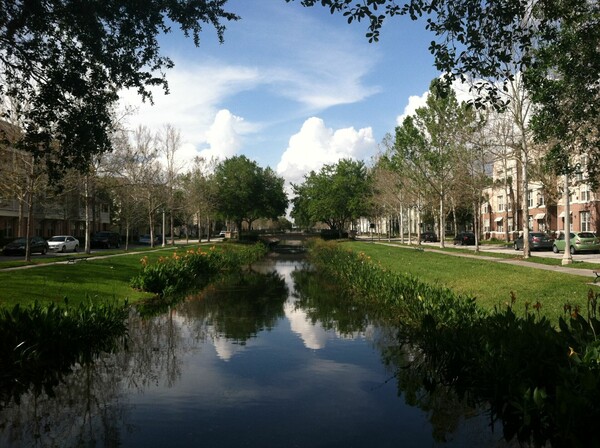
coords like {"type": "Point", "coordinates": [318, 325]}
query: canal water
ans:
{"type": "Point", "coordinates": [273, 357]}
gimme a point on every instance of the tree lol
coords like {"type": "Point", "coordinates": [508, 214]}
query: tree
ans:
{"type": "Point", "coordinates": [200, 192]}
{"type": "Point", "coordinates": [564, 84]}
{"type": "Point", "coordinates": [247, 192]}
{"type": "Point", "coordinates": [169, 141]}
{"type": "Point", "coordinates": [430, 141]}
{"type": "Point", "coordinates": [66, 60]}
{"type": "Point", "coordinates": [336, 195]}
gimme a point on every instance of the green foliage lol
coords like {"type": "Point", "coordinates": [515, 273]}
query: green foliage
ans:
{"type": "Point", "coordinates": [246, 192]}
{"type": "Point", "coordinates": [408, 297]}
{"type": "Point", "coordinates": [185, 270]}
{"type": "Point", "coordinates": [40, 344]}
{"type": "Point", "coordinates": [63, 63]}
{"type": "Point", "coordinates": [335, 195]}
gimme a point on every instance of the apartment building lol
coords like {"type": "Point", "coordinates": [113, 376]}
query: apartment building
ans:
{"type": "Point", "coordinates": [502, 211]}
{"type": "Point", "coordinates": [53, 213]}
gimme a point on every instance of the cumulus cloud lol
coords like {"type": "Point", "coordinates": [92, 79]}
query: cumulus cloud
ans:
{"type": "Point", "coordinates": [414, 102]}
{"type": "Point", "coordinates": [195, 96]}
{"type": "Point", "coordinates": [316, 145]}
{"type": "Point", "coordinates": [223, 136]}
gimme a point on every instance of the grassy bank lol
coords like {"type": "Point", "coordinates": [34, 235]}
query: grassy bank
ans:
{"type": "Point", "coordinates": [489, 282]}
{"type": "Point", "coordinates": [101, 279]}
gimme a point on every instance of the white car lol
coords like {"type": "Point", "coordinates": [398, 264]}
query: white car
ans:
{"type": "Point", "coordinates": [63, 243]}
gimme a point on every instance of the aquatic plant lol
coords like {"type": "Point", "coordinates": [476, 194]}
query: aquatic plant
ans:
{"type": "Point", "coordinates": [39, 344]}
{"type": "Point", "coordinates": [185, 270]}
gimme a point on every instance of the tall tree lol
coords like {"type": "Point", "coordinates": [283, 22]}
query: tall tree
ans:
{"type": "Point", "coordinates": [247, 192]}
{"type": "Point", "coordinates": [67, 59]}
{"type": "Point", "coordinates": [336, 195]}
{"type": "Point", "coordinates": [430, 141]}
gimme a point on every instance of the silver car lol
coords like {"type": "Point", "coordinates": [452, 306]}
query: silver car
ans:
{"type": "Point", "coordinates": [63, 243]}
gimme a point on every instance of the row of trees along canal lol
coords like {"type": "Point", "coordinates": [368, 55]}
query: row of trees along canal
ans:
{"type": "Point", "coordinates": [141, 179]}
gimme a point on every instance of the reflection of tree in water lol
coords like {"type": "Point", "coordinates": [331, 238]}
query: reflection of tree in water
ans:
{"type": "Point", "coordinates": [324, 301]}
{"type": "Point", "coordinates": [237, 307]}
{"type": "Point", "coordinates": [421, 387]}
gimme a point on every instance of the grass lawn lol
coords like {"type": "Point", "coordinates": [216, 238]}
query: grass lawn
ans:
{"type": "Point", "coordinates": [98, 279]}
{"type": "Point", "coordinates": [489, 282]}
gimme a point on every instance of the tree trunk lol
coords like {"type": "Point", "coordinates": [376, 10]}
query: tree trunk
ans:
{"type": "Point", "coordinates": [525, 207]}
{"type": "Point", "coordinates": [88, 243]}
{"type": "Point", "coordinates": [172, 230]}
{"type": "Point", "coordinates": [29, 222]}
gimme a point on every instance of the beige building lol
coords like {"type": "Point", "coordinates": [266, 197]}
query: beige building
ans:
{"type": "Point", "coordinates": [502, 211]}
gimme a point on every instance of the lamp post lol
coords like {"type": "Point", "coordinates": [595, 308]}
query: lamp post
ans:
{"type": "Point", "coordinates": [567, 257]}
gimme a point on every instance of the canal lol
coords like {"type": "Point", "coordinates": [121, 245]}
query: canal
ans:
{"type": "Point", "coordinates": [273, 357]}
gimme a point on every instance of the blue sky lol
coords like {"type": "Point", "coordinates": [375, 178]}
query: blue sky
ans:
{"type": "Point", "coordinates": [291, 87]}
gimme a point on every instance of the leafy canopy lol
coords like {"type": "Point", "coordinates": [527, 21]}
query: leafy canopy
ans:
{"type": "Point", "coordinates": [335, 195]}
{"type": "Point", "coordinates": [247, 192]}
{"type": "Point", "coordinates": [62, 63]}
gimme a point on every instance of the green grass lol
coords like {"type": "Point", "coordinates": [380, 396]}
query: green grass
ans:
{"type": "Point", "coordinates": [98, 279]}
{"type": "Point", "coordinates": [491, 283]}
{"type": "Point", "coordinates": [510, 254]}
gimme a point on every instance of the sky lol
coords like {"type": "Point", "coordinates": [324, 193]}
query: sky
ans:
{"type": "Point", "coordinates": [292, 88]}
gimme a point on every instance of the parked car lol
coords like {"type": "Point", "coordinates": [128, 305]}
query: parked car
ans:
{"type": "Point", "coordinates": [63, 243]}
{"type": "Point", "coordinates": [537, 241]}
{"type": "Point", "coordinates": [222, 234]}
{"type": "Point", "coordinates": [464, 239]}
{"type": "Point", "coordinates": [429, 236]}
{"type": "Point", "coordinates": [18, 246]}
{"type": "Point", "coordinates": [105, 239]}
{"type": "Point", "coordinates": [145, 239]}
{"type": "Point", "coordinates": [580, 242]}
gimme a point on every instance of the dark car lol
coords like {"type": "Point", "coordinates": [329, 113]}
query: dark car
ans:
{"type": "Point", "coordinates": [18, 246]}
{"type": "Point", "coordinates": [105, 239]}
{"type": "Point", "coordinates": [537, 241]}
{"type": "Point", "coordinates": [429, 236]}
{"type": "Point", "coordinates": [464, 239]}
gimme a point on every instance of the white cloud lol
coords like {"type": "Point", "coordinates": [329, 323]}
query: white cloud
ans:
{"type": "Point", "coordinates": [316, 145]}
{"type": "Point", "coordinates": [414, 102]}
{"type": "Point", "coordinates": [223, 136]}
{"type": "Point", "coordinates": [196, 93]}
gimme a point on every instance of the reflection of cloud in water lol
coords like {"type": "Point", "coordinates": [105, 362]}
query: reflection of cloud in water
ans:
{"type": "Point", "coordinates": [314, 336]}
{"type": "Point", "coordinates": [225, 348]}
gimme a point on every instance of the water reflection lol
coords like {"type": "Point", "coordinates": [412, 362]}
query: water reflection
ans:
{"type": "Point", "coordinates": [269, 357]}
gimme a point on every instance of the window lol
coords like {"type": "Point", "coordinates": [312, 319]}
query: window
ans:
{"type": "Point", "coordinates": [586, 224]}
{"type": "Point", "coordinates": [500, 203]}
{"type": "Point", "coordinates": [530, 222]}
{"type": "Point", "coordinates": [585, 193]}
{"type": "Point", "coordinates": [510, 226]}
{"type": "Point", "coordinates": [529, 198]}
{"type": "Point", "coordinates": [540, 199]}
{"type": "Point", "coordinates": [499, 226]}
